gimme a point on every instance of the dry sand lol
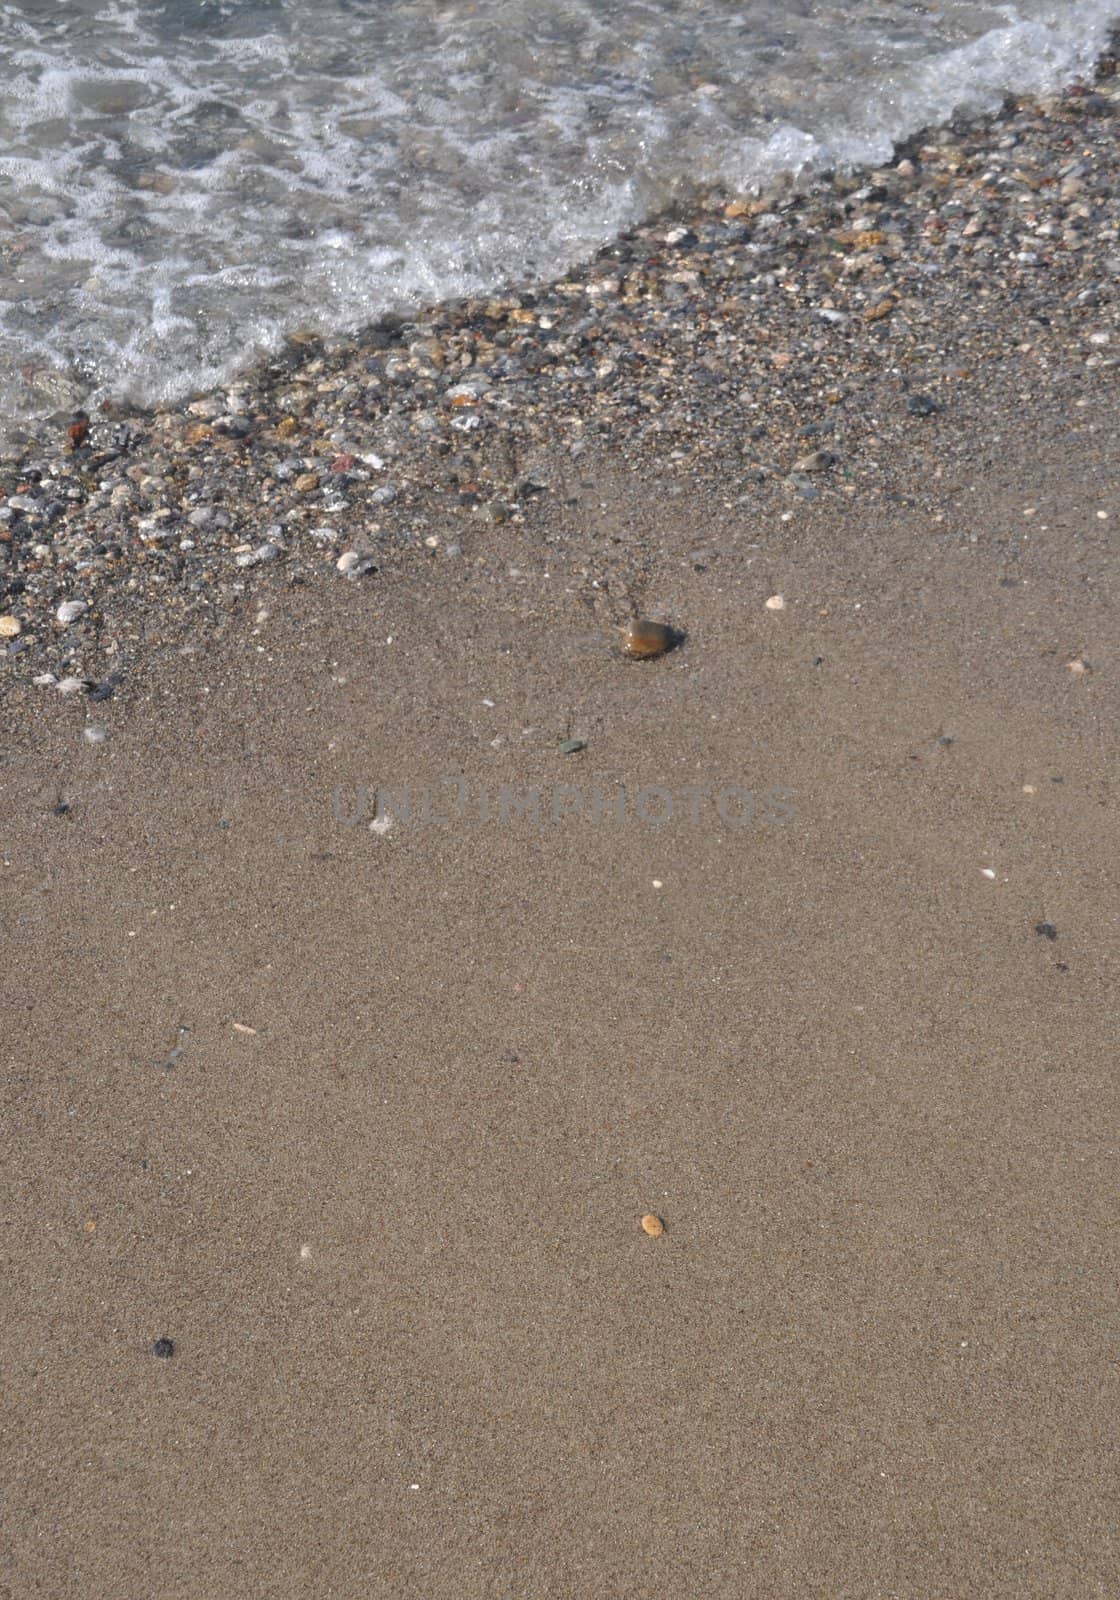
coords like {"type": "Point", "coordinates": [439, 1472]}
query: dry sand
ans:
{"type": "Point", "coordinates": [422, 1344]}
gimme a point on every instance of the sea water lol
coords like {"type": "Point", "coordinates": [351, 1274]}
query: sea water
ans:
{"type": "Point", "coordinates": [184, 181]}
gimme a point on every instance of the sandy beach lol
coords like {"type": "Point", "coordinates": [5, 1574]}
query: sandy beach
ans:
{"type": "Point", "coordinates": [361, 1121]}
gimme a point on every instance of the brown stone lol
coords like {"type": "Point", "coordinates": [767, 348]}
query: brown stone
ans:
{"type": "Point", "coordinates": [644, 639]}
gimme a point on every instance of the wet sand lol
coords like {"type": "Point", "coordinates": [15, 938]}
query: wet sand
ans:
{"type": "Point", "coordinates": [386, 1200]}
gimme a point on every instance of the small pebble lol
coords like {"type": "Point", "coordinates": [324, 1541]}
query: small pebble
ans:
{"type": "Point", "coordinates": [10, 627]}
{"type": "Point", "coordinates": [653, 1225]}
{"type": "Point", "coordinates": [164, 1349]}
{"type": "Point", "coordinates": [263, 552]}
{"type": "Point", "coordinates": [94, 734]}
{"type": "Point", "coordinates": [569, 747]}
{"type": "Point", "coordinates": [643, 639]}
{"type": "Point", "coordinates": [1046, 930]}
{"type": "Point", "coordinates": [776, 602]}
{"type": "Point", "coordinates": [70, 610]}
{"type": "Point", "coordinates": [816, 461]}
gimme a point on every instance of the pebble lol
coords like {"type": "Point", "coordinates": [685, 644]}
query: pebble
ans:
{"type": "Point", "coordinates": [94, 735]}
{"type": "Point", "coordinates": [643, 639]}
{"type": "Point", "coordinates": [1046, 930]}
{"type": "Point", "coordinates": [263, 552]}
{"type": "Point", "coordinates": [816, 461]}
{"type": "Point", "coordinates": [653, 1225]}
{"type": "Point", "coordinates": [570, 747]}
{"type": "Point", "coordinates": [776, 602]}
{"type": "Point", "coordinates": [70, 610]}
{"type": "Point", "coordinates": [164, 1349]}
{"type": "Point", "coordinates": [10, 627]}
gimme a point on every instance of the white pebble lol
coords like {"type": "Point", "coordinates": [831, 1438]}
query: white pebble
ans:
{"type": "Point", "coordinates": [776, 602]}
{"type": "Point", "coordinates": [987, 871]}
{"type": "Point", "coordinates": [94, 735]}
{"type": "Point", "coordinates": [71, 685]}
{"type": "Point", "coordinates": [44, 680]}
{"type": "Point", "coordinates": [263, 552]}
{"type": "Point", "coordinates": [70, 610]}
{"type": "Point", "coordinates": [347, 561]}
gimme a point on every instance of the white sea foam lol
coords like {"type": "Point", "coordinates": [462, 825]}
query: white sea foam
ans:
{"type": "Point", "coordinates": [182, 182]}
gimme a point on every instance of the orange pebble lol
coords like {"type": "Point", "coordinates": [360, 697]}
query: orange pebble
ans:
{"type": "Point", "coordinates": [653, 1225]}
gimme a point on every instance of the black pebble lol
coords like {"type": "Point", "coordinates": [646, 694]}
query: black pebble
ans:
{"type": "Point", "coordinates": [922, 405]}
{"type": "Point", "coordinates": [164, 1349]}
{"type": "Point", "coordinates": [1046, 930]}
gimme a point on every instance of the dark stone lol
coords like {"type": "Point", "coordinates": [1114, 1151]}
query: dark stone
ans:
{"type": "Point", "coordinates": [164, 1349]}
{"type": "Point", "coordinates": [922, 405]}
{"type": "Point", "coordinates": [1046, 930]}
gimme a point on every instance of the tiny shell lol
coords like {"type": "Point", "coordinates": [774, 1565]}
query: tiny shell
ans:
{"type": "Point", "coordinates": [653, 1225]}
{"type": "Point", "coordinates": [643, 639]}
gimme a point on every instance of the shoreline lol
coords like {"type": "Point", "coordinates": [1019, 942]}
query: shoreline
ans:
{"type": "Point", "coordinates": [577, 1176]}
{"type": "Point", "coordinates": [786, 340]}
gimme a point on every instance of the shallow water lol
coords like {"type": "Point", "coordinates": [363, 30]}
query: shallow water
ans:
{"type": "Point", "coordinates": [182, 181]}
